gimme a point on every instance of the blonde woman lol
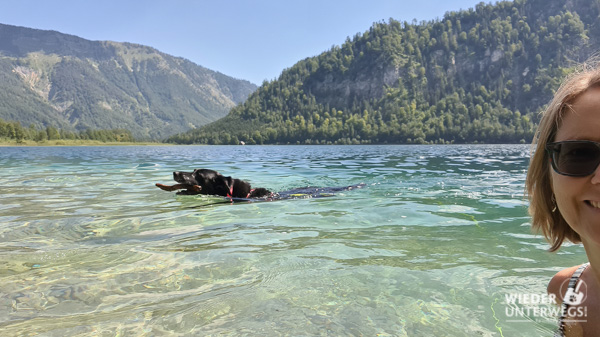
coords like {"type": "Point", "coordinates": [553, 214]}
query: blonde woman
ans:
{"type": "Point", "coordinates": [563, 185]}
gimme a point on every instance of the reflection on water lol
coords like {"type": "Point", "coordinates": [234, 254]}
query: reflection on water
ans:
{"type": "Point", "coordinates": [430, 247]}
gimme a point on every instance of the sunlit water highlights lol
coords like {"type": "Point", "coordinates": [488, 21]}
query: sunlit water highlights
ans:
{"type": "Point", "coordinates": [429, 247]}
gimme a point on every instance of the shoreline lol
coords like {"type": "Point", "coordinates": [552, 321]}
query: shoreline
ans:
{"type": "Point", "coordinates": [62, 142]}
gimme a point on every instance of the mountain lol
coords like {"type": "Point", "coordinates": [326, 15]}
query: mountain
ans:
{"type": "Point", "coordinates": [476, 75]}
{"type": "Point", "coordinates": [53, 79]}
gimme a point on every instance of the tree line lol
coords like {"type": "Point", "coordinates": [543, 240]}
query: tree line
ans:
{"type": "Point", "coordinates": [14, 131]}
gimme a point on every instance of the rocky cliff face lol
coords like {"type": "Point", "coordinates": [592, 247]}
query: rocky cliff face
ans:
{"type": "Point", "coordinates": [49, 78]}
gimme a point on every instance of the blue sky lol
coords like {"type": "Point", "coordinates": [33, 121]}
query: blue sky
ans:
{"type": "Point", "coordinates": [254, 40]}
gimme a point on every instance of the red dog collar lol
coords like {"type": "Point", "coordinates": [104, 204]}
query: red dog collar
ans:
{"type": "Point", "coordinates": [230, 194]}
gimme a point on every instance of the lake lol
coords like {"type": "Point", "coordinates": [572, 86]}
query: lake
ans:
{"type": "Point", "coordinates": [435, 244]}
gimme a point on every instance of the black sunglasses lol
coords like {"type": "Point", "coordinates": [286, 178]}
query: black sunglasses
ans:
{"type": "Point", "coordinates": [574, 158]}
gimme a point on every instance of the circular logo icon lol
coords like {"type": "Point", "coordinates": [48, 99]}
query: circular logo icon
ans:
{"type": "Point", "coordinates": [575, 295]}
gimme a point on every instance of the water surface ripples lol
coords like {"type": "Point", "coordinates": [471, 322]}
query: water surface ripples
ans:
{"type": "Point", "coordinates": [429, 247]}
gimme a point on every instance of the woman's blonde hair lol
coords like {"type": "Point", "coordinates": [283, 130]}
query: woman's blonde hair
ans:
{"type": "Point", "coordinates": [542, 205]}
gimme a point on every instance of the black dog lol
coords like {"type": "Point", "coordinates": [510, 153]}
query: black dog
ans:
{"type": "Point", "coordinates": [204, 181]}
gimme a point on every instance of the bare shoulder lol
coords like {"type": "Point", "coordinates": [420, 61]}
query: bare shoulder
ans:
{"type": "Point", "coordinates": [554, 287]}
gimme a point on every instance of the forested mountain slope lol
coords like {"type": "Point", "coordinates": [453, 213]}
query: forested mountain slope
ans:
{"type": "Point", "coordinates": [59, 80]}
{"type": "Point", "coordinates": [477, 75]}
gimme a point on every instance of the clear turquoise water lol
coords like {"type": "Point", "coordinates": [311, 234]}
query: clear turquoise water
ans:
{"type": "Point", "coordinates": [430, 247]}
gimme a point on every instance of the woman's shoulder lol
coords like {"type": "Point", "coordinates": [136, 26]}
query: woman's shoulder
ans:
{"type": "Point", "coordinates": [556, 283]}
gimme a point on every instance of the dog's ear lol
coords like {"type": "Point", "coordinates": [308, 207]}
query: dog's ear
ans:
{"type": "Point", "coordinates": [221, 185]}
{"type": "Point", "coordinates": [197, 174]}
{"type": "Point", "coordinates": [228, 183]}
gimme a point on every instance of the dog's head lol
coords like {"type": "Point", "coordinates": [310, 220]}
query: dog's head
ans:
{"type": "Point", "coordinates": [213, 183]}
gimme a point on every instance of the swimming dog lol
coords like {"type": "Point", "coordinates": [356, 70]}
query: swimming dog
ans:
{"type": "Point", "coordinates": [210, 182]}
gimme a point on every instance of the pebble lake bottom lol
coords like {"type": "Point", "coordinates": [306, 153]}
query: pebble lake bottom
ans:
{"type": "Point", "coordinates": [438, 243]}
